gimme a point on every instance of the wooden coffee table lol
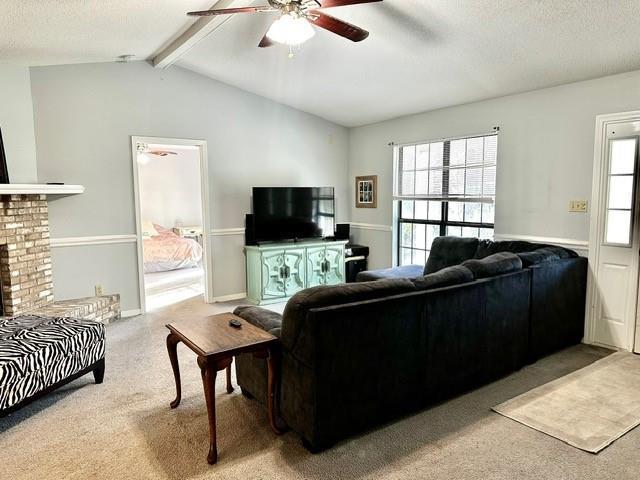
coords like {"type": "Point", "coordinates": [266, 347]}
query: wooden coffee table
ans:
{"type": "Point", "coordinates": [215, 343]}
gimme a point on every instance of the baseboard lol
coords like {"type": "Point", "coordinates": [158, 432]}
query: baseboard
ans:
{"type": "Point", "coordinates": [131, 313]}
{"type": "Point", "coordinates": [230, 298]}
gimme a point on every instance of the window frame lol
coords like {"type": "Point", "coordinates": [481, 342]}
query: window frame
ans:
{"type": "Point", "coordinates": [443, 223]}
{"type": "Point", "coordinates": [634, 176]}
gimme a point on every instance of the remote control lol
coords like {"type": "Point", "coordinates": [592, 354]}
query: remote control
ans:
{"type": "Point", "coordinates": [235, 323]}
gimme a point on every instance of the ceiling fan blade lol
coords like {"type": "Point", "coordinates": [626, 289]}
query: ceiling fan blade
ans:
{"type": "Point", "coordinates": [343, 3]}
{"type": "Point", "coordinates": [229, 11]}
{"type": "Point", "coordinates": [344, 29]}
{"type": "Point", "coordinates": [265, 42]}
{"type": "Point", "coordinates": [160, 153]}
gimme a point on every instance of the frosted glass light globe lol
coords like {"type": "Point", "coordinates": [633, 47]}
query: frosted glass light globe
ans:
{"type": "Point", "coordinates": [291, 30]}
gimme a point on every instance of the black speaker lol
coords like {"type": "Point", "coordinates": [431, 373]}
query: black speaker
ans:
{"type": "Point", "coordinates": [249, 230]}
{"type": "Point", "coordinates": [342, 231]}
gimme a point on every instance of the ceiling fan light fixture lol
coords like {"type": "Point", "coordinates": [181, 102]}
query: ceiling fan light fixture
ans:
{"type": "Point", "coordinates": [291, 29]}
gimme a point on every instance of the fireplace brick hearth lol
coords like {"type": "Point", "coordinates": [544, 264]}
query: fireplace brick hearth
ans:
{"type": "Point", "coordinates": [25, 265]}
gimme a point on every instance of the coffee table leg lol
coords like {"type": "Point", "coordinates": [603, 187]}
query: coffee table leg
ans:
{"type": "Point", "coordinates": [273, 364]}
{"type": "Point", "coordinates": [209, 374]}
{"type": "Point", "coordinates": [229, 384]}
{"type": "Point", "coordinates": [172, 343]}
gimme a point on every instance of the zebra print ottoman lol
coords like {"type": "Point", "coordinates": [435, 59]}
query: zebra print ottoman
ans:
{"type": "Point", "coordinates": [39, 354]}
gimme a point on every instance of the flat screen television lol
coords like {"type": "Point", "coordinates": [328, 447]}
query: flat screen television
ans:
{"type": "Point", "coordinates": [293, 213]}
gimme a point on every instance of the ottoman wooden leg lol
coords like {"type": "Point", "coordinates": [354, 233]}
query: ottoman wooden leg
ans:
{"type": "Point", "coordinates": [98, 372]}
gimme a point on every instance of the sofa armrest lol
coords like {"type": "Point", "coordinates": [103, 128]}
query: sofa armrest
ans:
{"type": "Point", "coordinates": [261, 317]}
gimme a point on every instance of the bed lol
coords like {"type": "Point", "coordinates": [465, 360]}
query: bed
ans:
{"type": "Point", "coordinates": [164, 251]}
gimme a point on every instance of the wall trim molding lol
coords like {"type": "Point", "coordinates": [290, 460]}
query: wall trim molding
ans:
{"type": "Point", "coordinates": [93, 240]}
{"type": "Point", "coordinates": [372, 226]}
{"type": "Point", "coordinates": [221, 232]}
{"type": "Point", "coordinates": [571, 243]}
{"type": "Point", "coordinates": [130, 313]}
{"type": "Point", "coordinates": [230, 298]}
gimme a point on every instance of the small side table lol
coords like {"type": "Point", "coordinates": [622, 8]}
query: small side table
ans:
{"type": "Point", "coordinates": [215, 343]}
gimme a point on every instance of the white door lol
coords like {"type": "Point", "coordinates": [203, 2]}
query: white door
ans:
{"type": "Point", "coordinates": [617, 264]}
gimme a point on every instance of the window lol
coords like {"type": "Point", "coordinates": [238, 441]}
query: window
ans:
{"type": "Point", "coordinates": [444, 188]}
{"type": "Point", "coordinates": [622, 165]}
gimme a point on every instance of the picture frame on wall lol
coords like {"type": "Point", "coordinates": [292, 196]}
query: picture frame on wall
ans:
{"type": "Point", "coordinates": [367, 191]}
{"type": "Point", "coordinates": [4, 172]}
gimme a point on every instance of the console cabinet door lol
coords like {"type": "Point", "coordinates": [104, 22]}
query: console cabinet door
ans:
{"type": "Point", "coordinates": [295, 268]}
{"type": "Point", "coordinates": [273, 281]}
{"type": "Point", "coordinates": [334, 256]}
{"type": "Point", "coordinates": [315, 269]}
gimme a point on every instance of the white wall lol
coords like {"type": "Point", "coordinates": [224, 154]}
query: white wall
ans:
{"type": "Point", "coordinates": [170, 188]}
{"type": "Point", "coordinates": [545, 156]}
{"type": "Point", "coordinates": [16, 122]}
{"type": "Point", "coordinates": [84, 117]}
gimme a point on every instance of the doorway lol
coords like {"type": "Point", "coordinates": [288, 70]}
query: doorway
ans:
{"type": "Point", "coordinates": [172, 220]}
{"type": "Point", "coordinates": [614, 242]}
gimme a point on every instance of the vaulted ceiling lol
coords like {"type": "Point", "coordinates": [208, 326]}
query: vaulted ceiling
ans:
{"type": "Point", "coordinates": [421, 54]}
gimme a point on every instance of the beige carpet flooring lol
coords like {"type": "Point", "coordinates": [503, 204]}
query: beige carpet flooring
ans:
{"type": "Point", "coordinates": [589, 409]}
{"type": "Point", "coordinates": [124, 429]}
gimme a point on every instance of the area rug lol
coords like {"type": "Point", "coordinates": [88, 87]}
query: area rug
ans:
{"type": "Point", "coordinates": [589, 408]}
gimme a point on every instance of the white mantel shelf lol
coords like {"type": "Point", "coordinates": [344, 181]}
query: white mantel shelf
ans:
{"type": "Point", "coordinates": [39, 189]}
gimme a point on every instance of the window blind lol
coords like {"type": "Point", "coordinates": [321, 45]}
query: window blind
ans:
{"type": "Point", "coordinates": [461, 170]}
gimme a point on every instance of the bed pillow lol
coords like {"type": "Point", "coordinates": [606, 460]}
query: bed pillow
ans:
{"type": "Point", "coordinates": [148, 229]}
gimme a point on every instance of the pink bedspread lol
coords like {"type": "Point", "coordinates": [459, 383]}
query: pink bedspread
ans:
{"type": "Point", "coordinates": [168, 251]}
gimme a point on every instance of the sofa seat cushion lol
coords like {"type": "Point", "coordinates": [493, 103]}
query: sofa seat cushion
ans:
{"type": "Point", "coordinates": [444, 278]}
{"type": "Point", "coordinates": [296, 334]}
{"type": "Point", "coordinates": [496, 264]}
{"type": "Point", "coordinates": [261, 317]}
{"type": "Point", "coordinates": [538, 256]}
{"type": "Point", "coordinates": [37, 352]}
{"type": "Point", "coordinates": [404, 271]}
{"type": "Point", "coordinates": [449, 251]}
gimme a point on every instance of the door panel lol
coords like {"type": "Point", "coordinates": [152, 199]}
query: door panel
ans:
{"type": "Point", "coordinates": [335, 265]}
{"type": "Point", "coordinates": [294, 263]}
{"type": "Point", "coordinates": [611, 329]}
{"type": "Point", "coordinates": [315, 271]}
{"type": "Point", "coordinates": [272, 278]}
{"type": "Point", "coordinates": [614, 303]}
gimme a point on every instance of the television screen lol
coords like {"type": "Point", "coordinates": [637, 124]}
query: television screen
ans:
{"type": "Point", "coordinates": [285, 213]}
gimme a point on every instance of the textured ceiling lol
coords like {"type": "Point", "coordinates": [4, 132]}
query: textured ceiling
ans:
{"type": "Point", "coordinates": [47, 32]}
{"type": "Point", "coordinates": [427, 54]}
{"type": "Point", "coordinates": [421, 55]}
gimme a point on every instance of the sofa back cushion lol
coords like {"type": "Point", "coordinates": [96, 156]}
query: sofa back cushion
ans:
{"type": "Point", "coordinates": [297, 338]}
{"type": "Point", "coordinates": [538, 256]}
{"type": "Point", "coordinates": [444, 278]}
{"type": "Point", "coordinates": [448, 251]}
{"type": "Point", "coordinates": [489, 247]}
{"type": "Point", "coordinates": [496, 264]}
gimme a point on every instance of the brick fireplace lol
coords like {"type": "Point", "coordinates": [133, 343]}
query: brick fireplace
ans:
{"type": "Point", "coordinates": [25, 263]}
{"type": "Point", "coordinates": [25, 254]}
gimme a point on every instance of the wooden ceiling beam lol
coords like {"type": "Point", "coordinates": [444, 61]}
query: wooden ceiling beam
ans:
{"type": "Point", "coordinates": [202, 27]}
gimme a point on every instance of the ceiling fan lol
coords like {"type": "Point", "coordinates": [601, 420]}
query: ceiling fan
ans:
{"type": "Point", "coordinates": [294, 26]}
{"type": "Point", "coordinates": [144, 148]}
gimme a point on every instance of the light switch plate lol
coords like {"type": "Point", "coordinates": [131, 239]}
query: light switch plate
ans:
{"type": "Point", "coordinates": [578, 206]}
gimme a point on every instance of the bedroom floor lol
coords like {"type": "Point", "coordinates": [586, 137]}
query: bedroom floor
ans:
{"type": "Point", "coordinates": [167, 288]}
